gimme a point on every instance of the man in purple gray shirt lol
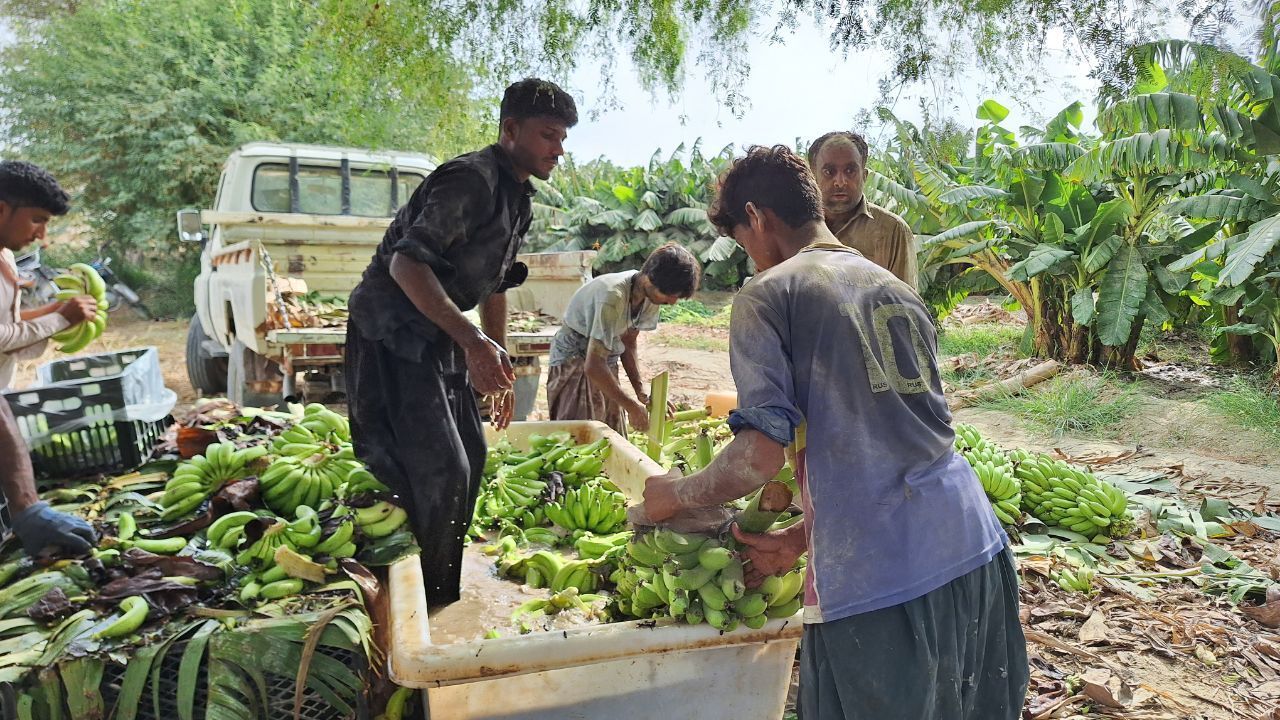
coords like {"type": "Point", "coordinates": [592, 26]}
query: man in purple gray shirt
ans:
{"type": "Point", "coordinates": [911, 596]}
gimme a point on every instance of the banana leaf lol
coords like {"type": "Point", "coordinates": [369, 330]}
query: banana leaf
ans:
{"type": "Point", "coordinates": [1082, 307]}
{"type": "Point", "coordinates": [1054, 156]}
{"type": "Point", "coordinates": [1120, 298]}
{"type": "Point", "coordinates": [968, 193]}
{"type": "Point", "coordinates": [189, 668]}
{"type": "Point", "coordinates": [1250, 251]}
{"type": "Point", "coordinates": [1042, 259]}
{"type": "Point", "coordinates": [133, 683]}
{"type": "Point", "coordinates": [83, 678]}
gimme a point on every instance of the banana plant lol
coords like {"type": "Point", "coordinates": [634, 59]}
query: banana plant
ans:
{"type": "Point", "coordinates": [624, 214]}
{"type": "Point", "coordinates": [1236, 270]}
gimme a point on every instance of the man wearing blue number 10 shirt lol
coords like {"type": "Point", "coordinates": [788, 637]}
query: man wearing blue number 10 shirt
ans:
{"type": "Point", "coordinates": [911, 596]}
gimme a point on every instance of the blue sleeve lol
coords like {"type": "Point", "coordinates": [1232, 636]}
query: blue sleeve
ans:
{"type": "Point", "coordinates": [759, 356]}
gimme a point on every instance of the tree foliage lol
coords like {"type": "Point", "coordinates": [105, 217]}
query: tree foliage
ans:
{"type": "Point", "coordinates": [135, 105]}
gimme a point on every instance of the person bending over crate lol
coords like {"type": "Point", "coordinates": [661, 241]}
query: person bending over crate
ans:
{"type": "Point", "coordinates": [413, 358]}
{"type": "Point", "coordinates": [29, 197]}
{"type": "Point", "coordinates": [911, 596]}
{"type": "Point", "coordinates": [600, 327]}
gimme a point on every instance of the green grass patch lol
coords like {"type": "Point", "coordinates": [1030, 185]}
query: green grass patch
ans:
{"type": "Point", "coordinates": [708, 344]}
{"type": "Point", "coordinates": [1249, 406]}
{"type": "Point", "coordinates": [1081, 405]}
{"type": "Point", "coordinates": [982, 340]}
{"type": "Point", "coordinates": [694, 313]}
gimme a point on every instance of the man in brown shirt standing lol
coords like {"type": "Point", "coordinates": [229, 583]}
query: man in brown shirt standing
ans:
{"type": "Point", "coordinates": [839, 161]}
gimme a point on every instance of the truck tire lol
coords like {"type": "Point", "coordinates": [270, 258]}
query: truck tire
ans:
{"type": "Point", "coordinates": [208, 374]}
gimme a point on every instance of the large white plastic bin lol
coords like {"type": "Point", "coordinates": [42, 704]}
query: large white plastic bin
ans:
{"type": "Point", "coordinates": [636, 670]}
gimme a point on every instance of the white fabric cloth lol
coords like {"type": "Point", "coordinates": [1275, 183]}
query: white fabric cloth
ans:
{"type": "Point", "coordinates": [20, 339]}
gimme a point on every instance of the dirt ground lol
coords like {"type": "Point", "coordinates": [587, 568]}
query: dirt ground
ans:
{"type": "Point", "coordinates": [1177, 657]}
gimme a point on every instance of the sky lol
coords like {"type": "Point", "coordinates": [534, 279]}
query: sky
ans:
{"type": "Point", "coordinates": [800, 89]}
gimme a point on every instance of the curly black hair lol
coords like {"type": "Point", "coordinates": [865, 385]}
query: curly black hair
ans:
{"type": "Point", "coordinates": [23, 184]}
{"type": "Point", "coordinates": [774, 178]}
{"type": "Point", "coordinates": [853, 137]}
{"type": "Point", "coordinates": [673, 270]}
{"type": "Point", "coordinates": [532, 97]}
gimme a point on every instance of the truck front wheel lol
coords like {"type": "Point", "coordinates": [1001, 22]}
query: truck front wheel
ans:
{"type": "Point", "coordinates": [207, 373]}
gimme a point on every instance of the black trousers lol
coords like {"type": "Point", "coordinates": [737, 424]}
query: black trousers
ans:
{"type": "Point", "coordinates": [418, 429]}
{"type": "Point", "coordinates": [957, 653]}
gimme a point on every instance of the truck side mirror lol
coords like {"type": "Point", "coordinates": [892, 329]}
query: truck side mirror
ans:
{"type": "Point", "coordinates": [189, 227]}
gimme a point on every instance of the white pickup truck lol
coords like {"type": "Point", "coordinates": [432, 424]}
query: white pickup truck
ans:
{"type": "Point", "coordinates": [291, 230]}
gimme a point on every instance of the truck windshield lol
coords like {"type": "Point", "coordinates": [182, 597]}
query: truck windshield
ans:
{"type": "Point", "coordinates": [343, 190]}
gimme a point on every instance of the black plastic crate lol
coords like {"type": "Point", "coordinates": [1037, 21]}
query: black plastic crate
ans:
{"type": "Point", "coordinates": [92, 414]}
{"type": "Point", "coordinates": [280, 690]}
{"type": "Point", "coordinates": [101, 446]}
{"type": "Point", "coordinates": [108, 367]}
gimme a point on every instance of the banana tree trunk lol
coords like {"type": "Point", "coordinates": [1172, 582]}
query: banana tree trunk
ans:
{"type": "Point", "coordinates": [1239, 347]}
{"type": "Point", "coordinates": [1122, 357]}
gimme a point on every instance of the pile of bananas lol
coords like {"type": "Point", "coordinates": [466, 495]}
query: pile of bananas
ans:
{"type": "Point", "coordinates": [293, 481]}
{"type": "Point", "coordinates": [196, 479]}
{"type": "Point", "coordinates": [518, 487]}
{"type": "Point", "coordinates": [81, 279]}
{"type": "Point", "coordinates": [592, 508]}
{"type": "Point", "coordinates": [1075, 580]}
{"type": "Point", "coordinates": [694, 439]}
{"type": "Point", "coordinates": [995, 470]}
{"type": "Point", "coordinates": [322, 424]}
{"type": "Point", "coordinates": [547, 569]}
{"type": "Point", "coordinates": [695, 578]}
{"type": "Point", "coordinates": [1058, 493]}
{"type": "Point", "coordinates": [314, 459]}
{"type": "Point", "coordinates": [607, 547]}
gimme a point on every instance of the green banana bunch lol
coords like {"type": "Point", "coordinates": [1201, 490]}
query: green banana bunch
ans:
{"type": "Point", "coordinates": [1060, 494]}
{"type": "Point", "coordinates": [590, 507]}
{"type": "Point", "coordinates": [323, 424]}
{"type": "Point", "coordinates": [1075, 580]}
{"type": "Point", "coordinates": [341, 542]}
{"type": "Point", "coordinates": [227, 532]}
{"type": "Point", "coordinates": [568, 598]}
{"type": "Point", "coordinates": [304, 474]}
{"type": "Point", "coordinates": [541, 568]}
{"type": "Point", "coordinates": [515, 491]}
{"type": "Point", "coordinates": [360, 480]}
{"type": "Point", "coordinates": [596, 547]}
{"type": "Point", "coordinates": [967, 436]}
{"type": "Point", "coordinates": [270, 584]}
{"type": "Point", "coordinates": [578, 574]}
{"type": "Point", "coordinates": [262, 553]}
{"type": "Point", "coordinates": [694, 440]}
{"type": "Point", "coordinates": [379, 520]}
{"type": "Point", "coordinates": [196, 479]}
{"type": "Point", "coordinates": [81, 279]}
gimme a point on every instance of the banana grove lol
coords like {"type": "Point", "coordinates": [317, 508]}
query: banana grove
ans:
{"type": "Point", "coordinates": [1169, 214]}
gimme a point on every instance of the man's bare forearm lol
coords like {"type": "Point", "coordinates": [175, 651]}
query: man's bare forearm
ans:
{"type": "Point", "coordinates": [631, 364]}
{"type": "Point", "coordinates": [597, 369]}
{"type": "Point", "coordinates": [17, 480]}
{"type": "Point", "coordinates": [33, 313]}
{"type": "Point", "coordinates": [746, 464]}
{"type": "Point", "coordinates": [493, 318]}
{"type": "Point", "coordinates": [424, 290]}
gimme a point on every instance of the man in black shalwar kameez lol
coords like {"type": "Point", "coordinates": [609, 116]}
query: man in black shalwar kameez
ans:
{"type": "Point", "coordinates": [413, 358]}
